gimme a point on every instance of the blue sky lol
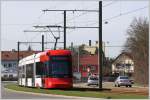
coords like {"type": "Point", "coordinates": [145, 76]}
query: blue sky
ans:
{"type": "Point", "coordinates": [19, 16]}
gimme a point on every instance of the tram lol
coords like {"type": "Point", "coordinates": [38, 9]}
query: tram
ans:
{"type": "Point", "coordinates": [48, 69]}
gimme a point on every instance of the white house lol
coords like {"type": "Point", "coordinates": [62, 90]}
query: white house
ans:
{"type": "Point", "coordinates": [123, 64]}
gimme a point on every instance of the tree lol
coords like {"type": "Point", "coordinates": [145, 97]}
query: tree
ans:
{"type": "Point", "coordinates": [29, 48]}
{"type": "Point", "coordinates": [137, 45]}
{"type": "Point", "coordinates": [107, 62]}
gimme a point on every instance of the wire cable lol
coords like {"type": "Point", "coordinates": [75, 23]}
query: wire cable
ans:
{"type": "Point", "coordinates": [110, 3]}
{"type": "Point", "coordinates": [121, 14]}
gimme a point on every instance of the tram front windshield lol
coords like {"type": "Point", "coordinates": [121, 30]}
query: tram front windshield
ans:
{"type": "Point", "coordinates": [60, 66]}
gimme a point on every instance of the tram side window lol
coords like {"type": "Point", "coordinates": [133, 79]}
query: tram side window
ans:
{"type": "Point", "coordinates": [39, 68]}
{"type": "Point", "coordinates": [20, 71]}
{"type": "Point", "coordinates": [29, 71]}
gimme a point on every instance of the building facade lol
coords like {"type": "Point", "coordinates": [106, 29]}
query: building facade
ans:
{"type": "Point", "coordinates": [88, 66]}
{"type": "Point", "coordinates": [9, 62]}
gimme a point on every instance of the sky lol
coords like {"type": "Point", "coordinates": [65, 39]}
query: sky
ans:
{"type": "Point", "coordinates": [18, 16]}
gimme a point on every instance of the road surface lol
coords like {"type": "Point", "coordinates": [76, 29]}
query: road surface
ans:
{"type": "Point", "coordinates": [10, 94]}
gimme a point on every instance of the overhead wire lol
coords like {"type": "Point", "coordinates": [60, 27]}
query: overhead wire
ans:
{"type": "Point", "coordinates": [67, 19]}
{"type": "Point", "coordinates": [110, 3]}
{"type": "Point", "coordinates": [125, 13]}
{"type": "Point", "coordinates": [121, 14]}
{"type": "Point", "coordinates": [36, 34]}
{"type": "Point", "coordinates": [84, 13]}
{"type": "Point", "coordinates": [113, 17]}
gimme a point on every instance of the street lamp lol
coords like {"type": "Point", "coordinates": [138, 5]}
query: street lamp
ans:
{"type": "Point", "coordinates": [106, 22]}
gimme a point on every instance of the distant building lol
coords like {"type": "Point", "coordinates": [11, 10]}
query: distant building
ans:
{"type": "Point", "coordinates": [123, 65]}
{"type": "Point", "coordinates": [88, 66]}
{"type": "Point", "coordinates": [87, 57]}
{"type": "Point", "coordinates": [91, 49]}
{"type": "Point", "coordinates": [9, 62]}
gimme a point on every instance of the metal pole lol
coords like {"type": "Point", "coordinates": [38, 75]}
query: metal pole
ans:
{"type": "Point", "coordinates": [42, 42]}
{"type": "Point", "coordinates": [72, 46]}
{"type": "Point", "coordinates": [78, 59]}
{"type": "Point", "coordinates": [100, 45]}
{"type": "Point", "coordinates": [34, 71]}
{"type": "Point", "coordinates": [90, 43]}
{"type": "Point", "coordinates": [18, 43]}
{"type": "Point", "coordinates": [104, 47]}
{"type": "Point", "coordinates": [55, 43]}
{"type": "Point", "coordinates": [64, 29]}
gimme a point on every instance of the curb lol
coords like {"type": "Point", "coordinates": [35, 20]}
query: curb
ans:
{"type": "Point", "coordinates": [55, 95]}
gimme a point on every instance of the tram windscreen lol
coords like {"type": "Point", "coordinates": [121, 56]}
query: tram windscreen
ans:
{"type": "Point", "coordinates": [60, 66]}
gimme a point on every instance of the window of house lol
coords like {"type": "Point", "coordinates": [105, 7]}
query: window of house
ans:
{"type": "Point", "coordinates": [5, 76]}
{"type": "Point", "coordinates": [14, 65]}
{"type": "Point", "coordinates": [118, 64]}
{"type": "Point", "coordinates": [10, 76]}
{"type": "Point", "coordinates": [5, 65]}
{"type": "Point", "coordinates": [84, 68]}
{"type": "Point", "coordinates": [9, 65]}
{"type": "Point", "coordinates": [128, 66]}
{"type": "Point", "coordinates": [93, 68]}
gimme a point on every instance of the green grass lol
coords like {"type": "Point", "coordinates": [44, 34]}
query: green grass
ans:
{"type": "Point", "coordinates": [96, 94]}
{"type": "Point", "coordinates": [137, 84]}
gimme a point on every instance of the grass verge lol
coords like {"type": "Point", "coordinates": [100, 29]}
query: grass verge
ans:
{"type": "Point", "coordinates": [95, 94]}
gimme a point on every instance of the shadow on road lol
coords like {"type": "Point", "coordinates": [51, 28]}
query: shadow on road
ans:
{"type": "Point", "coordinates": [84, 89]}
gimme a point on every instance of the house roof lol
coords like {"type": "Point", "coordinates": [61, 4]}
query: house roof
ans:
{"type": "Point", "coordinates": [124, 53]}
{"type": "Point", "coordinates": [13, 55]}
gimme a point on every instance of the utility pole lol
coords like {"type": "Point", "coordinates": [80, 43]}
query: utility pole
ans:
{"type": "Point", "coordinates": [18, 43]}
{"type": "Point", "coordinates": [100, 46]}
{"type": "Point", "coordinates": [78, 59]}
{"type": "Point", "coordinates": [42, 42]}
{"type": "Point", "coordinates": [72, 46]}
{"type": "Point", "coordinates": [64, 29]}
{"type": "Point", "coordinates": [104, 47]}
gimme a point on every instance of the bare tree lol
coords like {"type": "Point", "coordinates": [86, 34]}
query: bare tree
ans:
{"type": "Point", "coordinates": [137, 45]}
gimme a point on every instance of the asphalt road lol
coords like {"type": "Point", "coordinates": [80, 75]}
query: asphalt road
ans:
{"type": "Point", "coordinates": [11, 94]}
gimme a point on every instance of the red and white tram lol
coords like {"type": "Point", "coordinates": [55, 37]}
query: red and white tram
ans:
{"type": "Point", "coordinates": [48, 69]}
